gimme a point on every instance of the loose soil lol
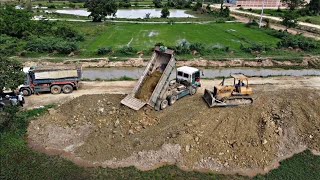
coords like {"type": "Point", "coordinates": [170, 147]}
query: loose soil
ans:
{"type": "Point", "coordinates": [100, 131]}
{"type": "Point", "coordinates": [148, 86]}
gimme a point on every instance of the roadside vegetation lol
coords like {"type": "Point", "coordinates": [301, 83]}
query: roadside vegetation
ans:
{"type": "Point", "coordinates": [23, 37]}
{"type": "Point", "coordinates": [309, 13]}
{"type": "Point", "coordinates": [18, 161]}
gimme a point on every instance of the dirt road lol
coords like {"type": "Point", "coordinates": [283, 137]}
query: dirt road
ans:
{"type": "Point", "coordinates": [124, 87]}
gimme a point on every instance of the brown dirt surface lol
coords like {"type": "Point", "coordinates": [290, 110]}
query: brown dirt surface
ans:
{"type": "Point", "coordinates": [101, 131]}
{"type": "Point", "coordinates": [148, 86]}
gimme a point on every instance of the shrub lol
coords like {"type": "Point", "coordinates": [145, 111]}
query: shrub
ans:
{"type": "Point", "coordinates": [252, 23]}
{"type": "Point", "coordinates": [183, 47]}
{"type": "Point", "coordinates": [159, 44]}
{"type": "Point", "coordinates": [197, 6]}
{"type": "Point", "coordinates": [165, 12]}
{"type": "Point", "coordinates": [51, 44]}
{"type": "Point", "coordinates": [254, 48]}
{"type": "Point", "coordinates": [71, 5]}
{"type": "Point", "coordinates": [104, 51]}
{"type": "Point", "coordinates": [51, 6]}
{"type": "Point", "coordinates": [197, 47]}
{"type": "Point", "coordinates": [298, 42]}
{"type": "Point", "coordinates": [68, 33]}
{"type": "Point", "coordinates": [127, 50]}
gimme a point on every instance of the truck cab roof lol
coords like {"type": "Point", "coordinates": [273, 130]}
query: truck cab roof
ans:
{"type": "Point", "coordinates": [187, 69]}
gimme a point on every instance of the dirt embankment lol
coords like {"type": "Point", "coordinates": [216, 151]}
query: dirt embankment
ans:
{"type": "Point", "coordinates": [306, 62]}
{"type": "Point", "coordinates": [99, 131]}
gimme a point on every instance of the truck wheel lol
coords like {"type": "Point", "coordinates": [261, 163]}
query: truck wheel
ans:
{"type": "Point", "coordinates": [55, 89]}
{"type": "Point", "coordinates": [67, 89]}
{"type": "Point", "coordinates": [172, 99]}
{"type": "Point", "coordinates": [164, 104]}
{"type": "Point", "coordinates": [26, 92]}
{"type": "Point", "coordinates": [193, 91]}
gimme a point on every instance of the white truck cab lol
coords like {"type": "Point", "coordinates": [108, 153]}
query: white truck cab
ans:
{"type": "Point", "coordinates": [189, 74]}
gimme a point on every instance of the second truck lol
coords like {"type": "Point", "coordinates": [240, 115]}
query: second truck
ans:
{"type": "Point", "coordinates": [54, 80]}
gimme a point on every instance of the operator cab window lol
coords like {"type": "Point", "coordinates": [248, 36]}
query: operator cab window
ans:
{"type": "Point", "coordinates": [180, 73]}
{"type": "Point", "coordinates": [186, 75]}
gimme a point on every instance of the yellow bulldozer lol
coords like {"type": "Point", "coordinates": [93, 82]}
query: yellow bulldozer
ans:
{"type": "Point", "coordinates": [230, 95]}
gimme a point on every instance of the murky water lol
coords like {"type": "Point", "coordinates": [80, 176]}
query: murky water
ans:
{"type": "Point", "coordinates": [135, 73]}
{"type": "Point", "coordinates": [127, 13]}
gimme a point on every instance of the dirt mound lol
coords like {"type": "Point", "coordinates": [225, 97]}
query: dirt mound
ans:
{"type": "Point", "coordinates": [150, 83]}
{"type": "Point", "coordinates": [195, 137]}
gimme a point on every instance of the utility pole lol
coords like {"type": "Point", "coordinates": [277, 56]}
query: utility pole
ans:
{"type": "Point", "coordinates": [260, 23]}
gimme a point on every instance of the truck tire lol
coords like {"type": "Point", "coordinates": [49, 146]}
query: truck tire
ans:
{"type": "Point", "coordinates": [55, 89]}
{"type": "Point", "coordinates": [25, 91]}
{"type": "Point", "coordinates": [193, 90]}
{"type": "Point", "coordinates": [172, 100]}
{"type": "Point", "coordinates": [164, 104]}
{"type": "Point", "coordinates": [67, 89]}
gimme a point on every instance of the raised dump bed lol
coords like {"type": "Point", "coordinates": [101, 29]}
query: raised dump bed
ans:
{"type": "Point", "coordinates": [154, 80]}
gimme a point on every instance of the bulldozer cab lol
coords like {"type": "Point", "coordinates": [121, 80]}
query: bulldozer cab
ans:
{"type": "Point", "coordinates": [241, 84]}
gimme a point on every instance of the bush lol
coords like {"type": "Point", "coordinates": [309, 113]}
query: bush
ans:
{"type": "Point", "coordinates": [159, 44]}
{"type": "Point", "coordinates": [68, 33]}
{"type": "Point", "coordinates": [254, 48]}
{"type": "Point", "coordinates": [225, 12]}
{"type": "Point", "coordinates": [200, 48]}
{"type": "Point", "coordinates": [8, 45]}
{"type": "Point", "coordinates": [104, 51]}
{"type": "Point", "coordinates": [252, 23]}
{"type": "Point", "coordinates": [298, 42]}
{"type": "Point", "coordinates": [127, 50]}
{"type": "Point", "coordinates": [197, 6]}
{"type": "Point", "coordinates": [51, 44]}
{"type": "Point", "coordinates": [165, 12]}
{"type": "Point", "coordinates": [51, 6]}
{"type": "Point", "coordinates": [71, 5]}
{"type": "Point", "coordinates": [183, 47]}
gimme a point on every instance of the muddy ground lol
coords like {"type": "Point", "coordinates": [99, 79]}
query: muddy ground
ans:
{"type": "Point", "coordinates": [101, 132]}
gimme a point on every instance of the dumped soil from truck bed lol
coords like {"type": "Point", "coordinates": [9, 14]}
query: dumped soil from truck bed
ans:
{"type": "Point", "coordinates": [147, 88]}
{"type": "Point", "coordinates": [100, 131]}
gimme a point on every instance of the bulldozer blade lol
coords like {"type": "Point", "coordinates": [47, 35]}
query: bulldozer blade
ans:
{"type": "Point", "coordinates": [208, 97]}
{"type": "Point", "coordinates": [231, 102]}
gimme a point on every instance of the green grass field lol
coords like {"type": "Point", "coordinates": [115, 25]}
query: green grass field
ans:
{"type": "Point", "coordinates": [18, 161]}
{"type": "Point", "coordinates": [144, 36]}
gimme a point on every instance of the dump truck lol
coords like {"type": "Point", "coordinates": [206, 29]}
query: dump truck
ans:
{"type": "Point", "coordinates": [51, 79]}
{"type": "Point", "coordinates": [230, 95]}
{"type": "Point", "coordinates": [155, 87]}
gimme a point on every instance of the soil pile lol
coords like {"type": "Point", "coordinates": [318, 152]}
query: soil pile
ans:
{"type": "Point", "coordinates": [147, 88]}
{"type": "Point", "coordinates": [98, 129]}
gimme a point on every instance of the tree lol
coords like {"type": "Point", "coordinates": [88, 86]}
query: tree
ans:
{"type": "Point", "coordinates": [289, 20]}
{"type": "Point", "coordinates": [314, 6]}
{"type": "Point", "coordinates": [99, 9]}
{"type": "Point", "coordinates": [11, 74]}
{"type": "Point", "coordinates": [197, 6]}
{"type": "Point", "coordinates": [157, 3]}
{"type": "Point", "coordinates": [15, 23]}
{"type": "Point", "coordinates": [293, 4]}
{"type": "Point", "coordinates": [165, 12]}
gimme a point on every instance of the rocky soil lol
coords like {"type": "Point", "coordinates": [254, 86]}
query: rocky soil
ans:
{"type": "Point", "coordinates": [100, 131]}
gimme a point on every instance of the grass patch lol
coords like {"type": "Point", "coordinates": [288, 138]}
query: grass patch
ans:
{"type": "Point", "coordinates": [142, 36]}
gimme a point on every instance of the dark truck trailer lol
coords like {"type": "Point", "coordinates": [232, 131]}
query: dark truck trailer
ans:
{"type": "Point", "coordinates": [54, 80]}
